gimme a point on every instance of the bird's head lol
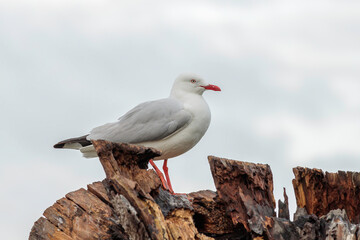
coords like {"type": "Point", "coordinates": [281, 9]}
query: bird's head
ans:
{"type": "Point", "coordinates": [192, 83]}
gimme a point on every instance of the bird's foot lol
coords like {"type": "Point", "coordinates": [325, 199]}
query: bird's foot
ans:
{"type": "Point", "coordinates": [166, 171]}
{"type": "Point", "coordinates": [160, 175]}
{"type": "Point", "coordinates": [166, 183]}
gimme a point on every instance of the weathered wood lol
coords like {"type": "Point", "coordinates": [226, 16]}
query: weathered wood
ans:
{"type": "Point", "coordinates": [247, 190]}
{"type": "Point", "coordinates": [210, 213]}
{"type": "Point", "coordinates": [168, 202]}
{"type": "Point", "coordinates": [130, 204]}
{"type": "Point", "coordinates": [43, 229]}
{"type": "Point", "coordinates": [319, 193]}
{"type": "Point", "coordinates": [81, 215]}
{"type": "Point", "coordinates": [283, 211]}
{"type": "Point", "coordinates": [127, 176]}
{"type": "Point", "coordinates": [99, 189]}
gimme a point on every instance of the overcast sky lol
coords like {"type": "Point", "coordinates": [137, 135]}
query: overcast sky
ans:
{"type": "Point", "coordinates": [289, 73]}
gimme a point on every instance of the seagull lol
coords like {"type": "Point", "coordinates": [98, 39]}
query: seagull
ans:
{"type": "Point", "coordinates": [172, 125]}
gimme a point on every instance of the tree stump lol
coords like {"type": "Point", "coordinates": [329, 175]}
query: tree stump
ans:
{"type": "Point", "coordinates": [126, 205]}
{"type": "Point", "coordinates": [319, 193]}
{"type": "Point", "coordinates": [131, 204]}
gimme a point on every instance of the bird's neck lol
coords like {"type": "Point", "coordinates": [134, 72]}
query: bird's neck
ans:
{"type": "Point", "coordinates": [184, 96]}
{"type": "Point", "coordinates": [192, 102]}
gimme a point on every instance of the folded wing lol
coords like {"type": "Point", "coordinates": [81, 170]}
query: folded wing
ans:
{"type": "Point", "coordinates": [149, 121]}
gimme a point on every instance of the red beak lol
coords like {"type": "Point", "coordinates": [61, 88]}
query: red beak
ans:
{"type": "Point", "coordinates": [212, 87]}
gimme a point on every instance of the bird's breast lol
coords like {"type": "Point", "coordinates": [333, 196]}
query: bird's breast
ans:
{"type": "Point", "coordinates": [187, 137]}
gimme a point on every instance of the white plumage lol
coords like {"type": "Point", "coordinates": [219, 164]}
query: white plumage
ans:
{"type": "Point", "coordinates": [172, 125]}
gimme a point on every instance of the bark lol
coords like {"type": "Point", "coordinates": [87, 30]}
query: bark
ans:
{"type": "Point", "coordinates": [128, 204]}
{"type": "Point", "coordinates": [247, 190]}
{"type": "Point", "coordinates": [284, 207]}
{"type": "Point", "coordinates": [320, 192]}
{"type": "Point", "coordinates": [131, 204]}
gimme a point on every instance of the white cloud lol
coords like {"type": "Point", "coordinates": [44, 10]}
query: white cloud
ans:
{"type": "Point", "coordinates": [347, 89]}
{"type": "Point", "coordinates": [309, 140]}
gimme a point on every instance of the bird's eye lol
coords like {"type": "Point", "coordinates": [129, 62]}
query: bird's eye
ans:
{"type": "Point", "coordinates": [193, 81]}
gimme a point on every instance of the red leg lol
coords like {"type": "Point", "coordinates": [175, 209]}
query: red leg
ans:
{"type": "Point", "coordinates": [165, 168]}
{"type": "Point", "coordinates": [159, 173]}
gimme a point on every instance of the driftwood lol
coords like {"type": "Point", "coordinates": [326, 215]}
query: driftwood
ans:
{"type": "Point", "coordinates": [131, 204]}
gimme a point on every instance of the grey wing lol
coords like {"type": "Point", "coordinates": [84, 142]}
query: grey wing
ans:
{"type": "Point", "coordinates": [149, 121]}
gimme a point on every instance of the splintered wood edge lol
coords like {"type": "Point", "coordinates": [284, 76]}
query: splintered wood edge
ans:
{"type": "Point", "coordinates": [103, 145]}
{"type": "Point", "coordinates": [212, 158]}
{"type": "Point", "coordinates": [111, 155]}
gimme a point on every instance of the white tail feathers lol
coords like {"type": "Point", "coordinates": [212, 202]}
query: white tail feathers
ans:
{"type": "Point", "coordinates": [88, 151]}
{"type": "Point", "coordinates": [76, 146]}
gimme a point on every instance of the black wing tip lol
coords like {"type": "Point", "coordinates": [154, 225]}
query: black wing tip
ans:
{"type": "Point", "coordinates": [81, 140]}
{"type": "Point", "coordinates": [59, 145]}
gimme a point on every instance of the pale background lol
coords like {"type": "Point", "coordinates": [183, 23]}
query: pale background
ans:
{"type": "Point", "coordinates": [289, 71]}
